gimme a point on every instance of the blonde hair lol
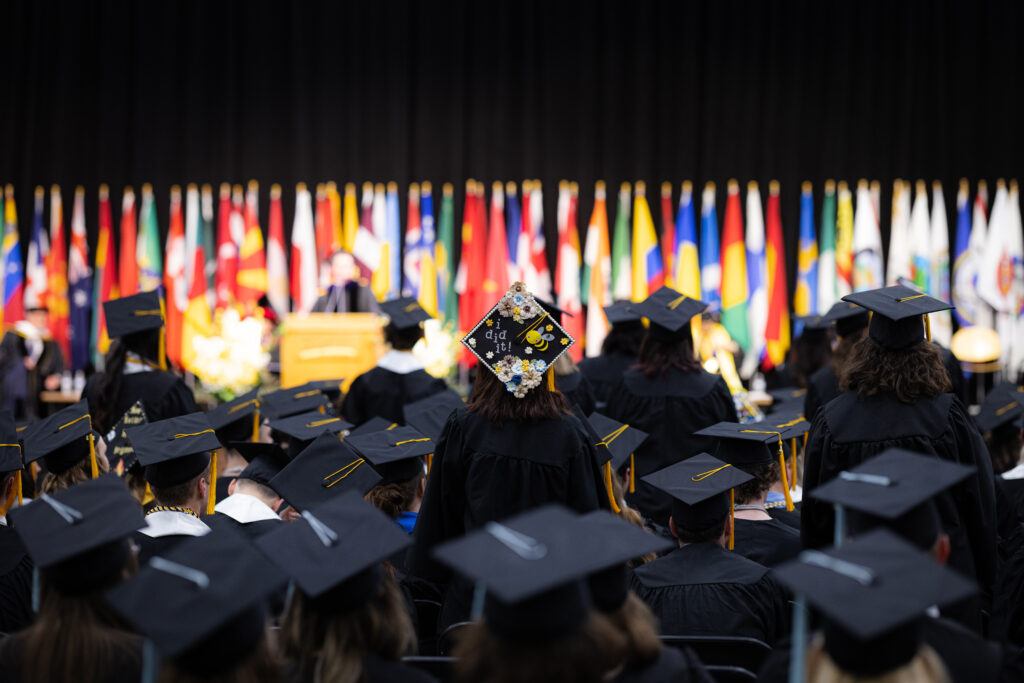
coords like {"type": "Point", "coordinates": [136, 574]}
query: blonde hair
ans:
{"type": "Point", "coordinates": [925, 667]}
{"type": "Point", "coordinates": [76, 474]}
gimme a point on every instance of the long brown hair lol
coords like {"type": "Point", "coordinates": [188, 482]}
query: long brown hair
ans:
{"type": "Point", "coordinates": [911, 373]}
{"type": "Point", "coordinates": [659, 355]}
{"type": "Point", "coordinates": [76, 474]}
{"type": "Point", "coordinates": [635, 621]}
{"type": "Point", "coordinates": [395, 497]}
{"type": "Point", "coordinates": [491, 399]}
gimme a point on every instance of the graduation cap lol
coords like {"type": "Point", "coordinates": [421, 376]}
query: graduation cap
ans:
{"type": "Point", "coordinates": [201, 602]}
{"type": "Point", "coordinates": [518, 340]}
{"type": "Point", "coordinates": [285, 402]}
{"type": "Point", "coordinates": [334, 551]}
{"type": "Point", "coordinates": [554, 311]}
{"type": "Point", "coordinates": [62, 440]}
{"type": "Point", "coordinates": [621, 439]}
{"type": "Point", "coordinates": [325, 468]}
{"type": "Point", "coordinates": [119, 450]}
{"type": "Point", "coordinates": [135, 313]}
{"type": "Point", "coordinates": [1001, 405]}
{"type": "Point", "coordinates": [811, 322]}
{"type": "Point", "coordinates": [177, 449]}
{"type": "Point", "coordinates": [308, 426]}
{"type": "Point", "coordinates": [237, 419]}
{"type": "Point", "coordinates": [622, 313]}
{"type": "Point", "coordinates": [669, 312]}
{"type": "Point", "coordinates": [331, 388]}
{"type": "Point", "coordinates": [404, 313]}
{"type": "Point", "coordinates": [871, 592]}
{"type": "Point", "coordinates": [895, 488]}
{"type": "Point", "coordinates": [900, 314]}
{"type": "Point", "coordinates": [748, 445]}
{"type": "Point", "coordinates": [374, 424]}
{"type": "Point", "coordinates": [10, 455]}
{"type": "Point", "coordinates": [430, 414]}
{"type": "Point", "coordinates": [77, 535]}
{"type": "Point", "coordinates": [848, 317]}
{"type": "Point", "coordinates": [266, 460]}
{"type": "Point", "coordinates": [397, 454]}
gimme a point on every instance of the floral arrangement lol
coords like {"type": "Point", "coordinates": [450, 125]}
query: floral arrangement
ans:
{"type": "Point", "coordinates": [520, 375]}
{"type": "Point", "coordinates": [232, 360]}
{"type": "Point", "coordinates": [518, 304]}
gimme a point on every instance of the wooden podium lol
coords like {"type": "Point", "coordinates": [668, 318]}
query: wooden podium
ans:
{"type": "Point", "coordinates": [329, 345]}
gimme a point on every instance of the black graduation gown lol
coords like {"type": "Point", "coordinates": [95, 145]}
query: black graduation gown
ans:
{"type": "Point", "coordinates": [163, 395]}
{"type": "Point", "coordinates": [670, 408]}
{"type": "Point", "coordinates": [384, 393]}
{"type": "Point", "coordinates": [15, 583]}
{"type": "Point", "coordinates": [768, 542]}
{"type": "Point", "coordinates": [375, 670]}
{"type": "Point", "coordinates": [604, 372]}
{"type": "Point", "coordinates": [125, 663]}
{"type": "Point", "coordinates": [577, 391]}
{"type": "Point", "coordinates": [674, 665]}
{"type": "Point", "coordinates": [1014, 490]}
{"type": "Point", "coordinates": [852, 429]}
{"type": "Point", "coordinates": [705, 590]}
{"type": "Point", "coordinates": [482, 472]}
{"type": "Point", "coordinates": [822, 387]}
{"type": "Point", "coordinates": [251, 530]}
{"type": "Point", "coordinates": [788, 517]}
{"type": "Point", "coordinates": [19, 386]}
{"type": "Point", "coordinates": [151, 546]}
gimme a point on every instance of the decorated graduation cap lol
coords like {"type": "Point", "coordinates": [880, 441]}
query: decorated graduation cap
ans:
{"type": "Point", "coordinates": [748, 445]}
{"type": "Point", "coordinates": [265, 460]}
{"type": "Point", "coordinates": [430, 414]}
{"type": "Point", "coordinates": [237, 419]}
{"type": "Point", "coordinates": [177, 449]}
{"type": "Point", "coordinates": [895, 489]}
{"type": "Point", "coordinates": [701, 488]}
{"type": "Point", "coordinates": [404, 313]}
{"type": "Point", "coordinates": [1001, 405]}
{"type": "Point", "coordinates": [62, 440]}
{"type": "Point", "coordinates": [518, 340]}
{"type": "Point", "coordinates": [202, 602]}
{"type": "Point", "coordinates": [622, 313]}
{"type": "Point", "coordinates": [900, 314]}
{"type": "Point", "coordinates": [334, 551]}
{"type": "Point", "coordinates": [78, 535]}
{"type": "Point", "coordinates": [397, 454]}
{"type": "Point", "coordinates": [325, 468]}
{"type": "Point", "coordinates": [285, 402]}
{"type": "Point", "coordinates": [10, 457]}
{"type": "Point", "coordinates": [137, 313]}
{"type": "Point", "coordinates": [307, 426]}
{"type": "Point", "coordinates": [374, 424]}
{"type": "Point", "coordinates": [848, 317]}
{"type": "Point", "coordinates": [871, 593]}
{"type": "Point", "coordinates": [120, 452]}
{"type": "Point", "coordinates": [669, 312]}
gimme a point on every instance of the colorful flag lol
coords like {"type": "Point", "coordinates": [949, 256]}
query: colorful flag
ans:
{"type": "Point", "coordinates": [668, 235]}
{"type": "Point", "coordinates": [127, 268]}
{"type": "Point", "coordinates": [622, 257]}
{"type": "Point", "coordinates": [868, 272]}
{"type": "Point", "coordinates": [394, 240]}
{"type": "Point", "coordinates": [227, 253]}
{"type": "Point", "coordinates": [598, 267]}
{"type": "Point", "coordinates": [207, 240]}
{"type": "Point", "coordinates": [734, 270]}
{"type": "Point", "coordinates": [105, 283]}
{"type": "Point", "coordinates": [38, 252]}
{"type": "Point", "coordinates": [828, 285]}
{"type": "Point", "coordinates": [710, 265]}
{"type": "Point", "coordinates": [57, 275]}
{"type": "Point", "coordinates": [496, 277]}
{"type": "Point", "coordinates": [196, 320]}
{"type": "Point", "coordinates": [900, 260]}
{"type": "Point", "coordinates": [80, 286]}
{"type": "Point", "coordinates": [567, 274]}
{"type": "Point", "coordinates": [277, 262]}
{"type": "Point", "coordinates": [378, 216]}
{"type": "Point", "coordinates": [513, 225]}
{"type": "Point", "coordinates": [428, 238]}
{"type": "Point", "coordinates": [941, 322]}
{"type": "Point", "coordinates": [1001, 275]}
{"type": "Point", "coordinates": [965, 263]}
{"type": "Point", "coordinates": [175, 285]}
{"type": "Point", "coordinates": [147, 249]}
{"type": "Point", "coordinates": [252, 257]}
{"type": "Point", "coordinates": [303, 263]}
{"type": "Point", "coordinates": [12, 304]}
{"type": "Point", "coordinates": [337, 225]}
{"type": "Point", "coordinates": [844, 241]}
{"type": "Point", "coordinates": [193, 229]}
{"type": "Point", "coordinates": [805, 300]}
{"type": "Point", "coordinates": [757, 282]}
{"type": "Point", "coordinates": [648, 273]}
{"type": "Point", "coordinates": [920, 233]}
{"type": "Point", "coordinates": [1016, 248]}
{"type": "Point", "coordinates": [350, 220]}
{"type": "Point", "coordinates": [413, 248]}
{"type": "Point", "coordinates": [686, 261]}
{"type": "Point", "coordinates": [532, 253]}
{"type": "Point", "coordinates": [777, 330]}
{"type": "Point", "coordinates": [473, 304]}
{"type": "Point", "coordinates": [322, 230]}
{"type": "Point", "coordinates": [444, 250]}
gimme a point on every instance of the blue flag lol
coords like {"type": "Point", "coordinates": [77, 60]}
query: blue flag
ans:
{"type": "Point", "coordinates": [710, 263]}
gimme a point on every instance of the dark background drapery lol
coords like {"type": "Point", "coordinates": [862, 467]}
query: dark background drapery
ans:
{"type": "Point", "coordinates": [127, 92]}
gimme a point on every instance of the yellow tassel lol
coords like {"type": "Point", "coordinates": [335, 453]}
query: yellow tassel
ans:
{"type": "Point", "coordinates": [430, 462]}
{"type": "Point", "coordinates": [17, 483]}
{"type": "Point", "coordinates": [33, 469]}
{"type": "Point", "coordinates": [608, 485]}
{"type": "Point", "coordinates": [9, 503]}
{"type": "Point", "coordinates": [928, 326]}
{"type": "Point", "coordinates": [785, 479]}
{"type": "Point", "coordinates": [792, 476]}
{"type": "Point", "coordinates": [93, 465]}
{"type": "Point", "coordinates": [551, 378]}
{"type": "Point", "coordinates": [732, 519]}
{"type": "Point", "coordinates": [256, 425]}
{"type": "Point", "coordinates": [211, 500]}
{"type": "Point", "coordinates": [148, 498]}
{"type": "Point", "coordinates": [162, 362]}
{"type": "Point", "coordinates": [632, 473]}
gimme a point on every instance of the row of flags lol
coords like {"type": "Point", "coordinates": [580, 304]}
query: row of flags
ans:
{"type": "Point", "coordinates": [214, 256]}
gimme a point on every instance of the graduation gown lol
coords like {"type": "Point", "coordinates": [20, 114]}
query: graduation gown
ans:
{"type": "Point", "coordinates": [675, 665]}
{"type": "Point", "coordinates": [768, 542]}
{"type": "Point", "coordinates": [163, 395]}
{"type": "Point", "coordinates": [483, 472]}
{"type": "Point", "coordinates": [703, 589]}
{"type": "Point", "coordinates": [822, 387]}
{"type": "Point", "coordinates": [851, 429]}
{"type": "Point", "coordinates": [15, 583]}
{"type": "Point", "coordinates": [244, 513]}
{"type": "Point", "coordinates": [375, 670]}
{"type": "Point", "coordinates": [577, 391]}
{"type": "Point", "coordinates": [604, 372]}
{"type": "Point", "coordinates": [670, 408]}
{"type": "Point", "coordinates": [19, 391]}
{"type": "Point", "coordinates": [164, 529]}
{"type": "Point", "coordinates": [384, 392]}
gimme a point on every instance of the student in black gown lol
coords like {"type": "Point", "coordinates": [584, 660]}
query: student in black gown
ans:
{"type": "Point", "coordinates": [999, 421]}
{"type": "Point", "coordinates": [78, 538]}
{"type": "Point", "coordinates": [515, 446]}
{"type": "Point", "coordinates": [896, 395]}
{"type": "Point", "coordinates": [619, 351]}
{"type": "Point", "coordinates": [397, 455]}
{"type": "Point", "coordinates": [135, 367]}
{"type": "Point", "coordinates": [399, 377]}
{"type": "Point", "coordinates": [251, 505]}
{"type": "Point", "coordinates": [851, 324]}
{"type": "Point", "coordinates": [15, 563]}
{"type": "Point", "coordinates": [65, 445]}
{"type": "Point", "coordinates": [702, 588]}
{"type": "Point", "coordinates": [669, 396]}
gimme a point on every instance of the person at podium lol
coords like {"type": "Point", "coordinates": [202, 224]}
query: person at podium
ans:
{"type": "Point", "coordinates": [346, 294]}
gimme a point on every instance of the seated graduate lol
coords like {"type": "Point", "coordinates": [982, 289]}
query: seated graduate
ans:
{"type": "Point", "coordinates": [234, 421]}
{"type": "Point", "coordinates": [30, 363]}
{"type": "Point", "coordinates": [399, 377]}
{"type": "Point", "coordinates": [203, 604]}
{"type": "Point", "coordinates": [620, 351]}
{"type": "Point", "coordinates": [79, 541]}
{"type": "Point", "coordinates": [702, 588]}
{"type": "Point", "coordinates": [68, 448]}
{"type": "Point", "coordinates": [618, 442]}
{"type": "Point", "coordinates": [347, 621]}
{"type": "Point", "coordinates": [568, 379]}
{"type": "Point", "coordinates": [287, 402]}
{"type": "Point", "coordinates": [252, 506]}
{"type": "Point", "coordinates": [15, 564]}
{"type": "Point", "coordinates": [295, 432]}
{"type": "Point", "coordinates": [397, 455]}
{"type": "Point", "coordinates": [793, 429]}
{"type": "Point", "coordinates": [851, 325]}
{"type": "Point", "coordinates": [1000, 422]}
{"type": "Point", "coordinates": [122, 457]}
{"type": "Point", "coordinates": [179, 455]}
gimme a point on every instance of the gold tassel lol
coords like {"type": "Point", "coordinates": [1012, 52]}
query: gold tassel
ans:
{"type": "Point", "coordinates": [93, 465]}
{"type": "Point", "coordinates": [785, 479]}
{"type": "Point", "coordinates": [632, 473]}
{"type": "Point", "coordinates": [9, 503]}
{"type": "Point", "coordinates": [608, 485]}
{"type": "Point", "coordinates": [928, 326]}
{"type": "Point", "coordinates": [162, 362]}
{"type": "Point", "coordinates": [148, 498]}
{"type": "Point", "coordinates": [551, 378]}
{"type": "Point", "coordinates": [732, 519]}
{"type": "Point", "coordinates": [256, 425]}
{"type": "Point", "coordinates": [430, 462]}
{"type": "Point", "coordinates": [17, 483]}
{"type": "Point", "coordinates": [211, 500]}
{"type": "Point", "coordinates": [792, 476]}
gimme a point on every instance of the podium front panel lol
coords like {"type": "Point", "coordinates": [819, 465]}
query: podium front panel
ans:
{"type": "Point", "coordinates": [328, 345]}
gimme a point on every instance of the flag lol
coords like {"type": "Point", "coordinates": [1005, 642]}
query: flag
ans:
{"type": "Point", "coordinates": [668, 235]}
{"type": "Point", "coordinates": [965, 262]}
{"type": "Point", "coordinates": [734, 270]}
{"type": "Point", "coordinates": [496, 279]}
{"type": "Point", "coordinates": [444, 250]}
{"type": "Point", "coordinates": [252, 258]}
{"type": "Point", "coordinates": [193, 229]}
{"type": "Point", "coordinates": [1000, 276]}
{"type": "Point", "coordinates": [710, 266]}
{"type": "Point", "coordinates": [513, 225]}
{"type": "Point", "coordinates": [105, 280]}
{"type": "Point", "coordinates": [805, 299]}
{"type": "Point", "coordinates": [686, 260]}
{"type": "Point", "coordinates": [227, 254]}
{"type": "Point", "coordinates": [127, 268]}
{"type": "Point", "coordinates": [1016, 248]}
{"type": "Point", "coordinates": [175, 285]}
{"type": "Point", "coordinates": [206, 239]}
{"type": "Point", "coordinates": [196, 320]}
{"type": "Point", "coordinates": [394, 241]}
{"type": "Point", "coordinates": [828, 285]}
{"type": "Point", "coordinates": [428, 265]}
{"type": "Point", "coordinates": [868, 272]}
{"type": "Point", "coordinates": [38, 252]}
{"type": "Point", "coordinates": [532, 253]}
{"type": "Point", "coordinates": [57, 275]}
{"type": "Point", "coordinates": [371, 230]}
{"type": "Point", "coordinates": [941, 322]}
{"type": "Point", "coordinates": [350, 218]}
{"type": "Point", "coordinates": [622, 258]}
{"type": "Point", "coordinates": [277, 262]}
{"type": "Point", "coordinates": [567, 274]}
{"type": "Point", "coordinates": [337, 225]}
{"type": "Point", "coordinates": [900, 261]}
{"type": "Point", "coordinates": [80, 286]}
{"type": "Point", "coordinates": [365, 247]}
{"type": "Point", "coordinates": [777, 330]}
{"type": "Point", "coordinates": [844, 241]}
{"type": "Point", "coordinates": [981, 314]}
{"type": "Point", "coordinates": [757, 282]}
{"type": "Point", "coordinates": [322, 231]}
{"type": "Point", "coordinates": [473, 304]}
{"type": "Point", "coordinates": [12, 305]}
{"type": "Point", "coordinates": [648, 273]}
{"type": "Point", "coordinates": [920, 234]}
{"type": "Point", "coordinates": [147, 249]}
{"type": "Point", "coordinates": [303, 264]}
{"type": "Point", "coordinates": [413, 247]}
{"type": "Point", "coordinates": [598, 266]}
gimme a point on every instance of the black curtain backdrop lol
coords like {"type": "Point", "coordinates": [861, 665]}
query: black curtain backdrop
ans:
{"type": "Point", "coordinates": [128, 92]}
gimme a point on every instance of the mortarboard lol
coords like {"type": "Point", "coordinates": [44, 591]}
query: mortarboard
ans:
{"type": "Point", "coordinates": [669, 312]}
{"type": "Point", "coordinates": [554, 311]}
{"type": "Point", "coordinates": [63, 439]}
{"type": "Point", "coordinates": [120, 453]}
{"type": "Point", "coordinates": [900, 314]}
{"type": "Point", "coordinates": [374, 424]}
{"type": "Point", "coordinates": [430, 414]}
{"type": "Point", "coordinates": [325, 468]}
{"type": "Point", "coordinates": [202, 602]}
{"type": "Point", "coordinates": [404, 313]}
{"type": "Point", "coordinates": [308, 426]}
{"type": "Point", "coordinates": [10, 457]}
{"type": "Point", "coordinates": [622, 313]}
{"type": "Point", "coordinates": [750, 445]}
{"type": "Point", "coordinates": [334, 551]}
{"type": "Point", "coordinates": [1001, 405]}
{"type": "Point", "coordinates": [265, 460]}
{"type": "Point", "coordinates": [518, 340]}
{"type": "Point", "coordinates": [622, 439]}
{"type": "Point", "coordinates": [811, 322]}
{"type": "Point", "coordinates": [848, 317]}
{"type": "Point", "coordinates": [397, 454]}
{"type": "Point", "coordinates": [331, 388]}
{"type": "Point", "coordinates": [285, 402]}
{"type": "Point", "coordinates": [135, 313]}
{"type": "Point", "coordinates": [177, 449]}
{"type": "Point", "coordinates": [871, 592]}
{"type": "Point", "coordinates": [227, 418]}
{"type": "Point", "coordinates": [698, 486]}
